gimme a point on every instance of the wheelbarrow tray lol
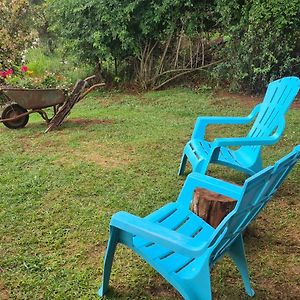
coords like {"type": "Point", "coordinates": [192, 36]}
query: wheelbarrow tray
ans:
{"type": "Point", "coordinates": [35, 98]}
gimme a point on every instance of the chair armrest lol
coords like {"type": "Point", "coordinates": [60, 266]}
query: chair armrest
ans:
{"type": "Point", "coordinates": [243, 141]}
{"type": "Point", "coordinates": [203, 122]}
{"type": "Point", "coordinates": [159, 234]}
{"type": "Point", "coordinates": [250, 141]}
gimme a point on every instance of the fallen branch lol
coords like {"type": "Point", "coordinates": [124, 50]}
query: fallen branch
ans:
{"type": "Point", "coordinates": [185, 71]}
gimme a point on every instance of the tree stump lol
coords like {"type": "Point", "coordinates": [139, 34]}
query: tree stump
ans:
{"type": "Point", "coordinates": [211, 207]}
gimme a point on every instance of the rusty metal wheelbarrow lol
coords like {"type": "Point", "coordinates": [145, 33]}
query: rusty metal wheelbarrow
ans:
{"type": "Point", "coordinates": [23, 102]}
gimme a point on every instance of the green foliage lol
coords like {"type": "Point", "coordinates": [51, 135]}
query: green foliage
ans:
{"type": "Point", "coordinates": [141, 40]}
{"type": "Point", "coordinates": [41, 62]}
{"type": "Point", "coordinates": [119, 31]}
{"type": "Point", "coordinates": [48, 80]}
{"type": "Point", "coordinates": [48, 71]}
{"type": "Point", "coordinates": [47, 39]}
{"type": "Point", "coordinates": [21, 82]}
{"type": "Point", "coordinates": [261, 39]}
{"type": "Point", "coordinates": [264, 41]}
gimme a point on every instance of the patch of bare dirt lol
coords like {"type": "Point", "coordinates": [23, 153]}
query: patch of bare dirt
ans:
{"type": "Point", "coordinates": [4, 295]}
{"type": "Point", "coordinates": [95, 253]}
{"type": "Point", "coordinates": [247, 100]}
{"type": "Point", "coordinates": [39, 142]}
{"type": "Point", "coordinates": [160, 289]}
{"type": "Point", "coordinates": [101, 154]}
{"type": "Point", "coordinates": [89, 122]}
{"type": "Point", "coordinates": [295, 270]}
{"type": "Point", "coordinates": [278, 290]}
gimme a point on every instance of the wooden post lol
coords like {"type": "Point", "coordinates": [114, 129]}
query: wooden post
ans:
{"type": "Point", "coordinates": [211, 207]}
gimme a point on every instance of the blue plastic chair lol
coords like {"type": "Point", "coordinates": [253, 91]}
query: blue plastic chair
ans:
{"type": "Point", "coordinates": [266, 130]}
{"type": "Point", "coordinates": [181, 246]}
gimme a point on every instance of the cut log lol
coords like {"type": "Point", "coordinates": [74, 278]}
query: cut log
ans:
{"type": "Point", "coordinates": [211, 207]}
{"type": "Point", "coordinates": [65, 109]}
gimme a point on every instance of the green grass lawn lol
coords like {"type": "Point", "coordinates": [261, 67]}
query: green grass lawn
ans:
{"type": "Point", "coordinates": [121, 152]}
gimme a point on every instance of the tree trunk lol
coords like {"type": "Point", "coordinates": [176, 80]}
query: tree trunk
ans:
{"type": "Point", "coordinates": [211, 207]}
{"type": "Point", "coordinates": [98, 72]}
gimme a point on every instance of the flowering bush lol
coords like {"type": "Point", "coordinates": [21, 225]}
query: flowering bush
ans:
{"type": "Point", "coordinates": [16, 33]}
{"type": "Point", "coordinates": [5, 74]}
{"type": "Point", "coordinates": [22, 77]}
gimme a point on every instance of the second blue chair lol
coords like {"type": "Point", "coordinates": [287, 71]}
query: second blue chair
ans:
{"type": "Point", "coordinates": [267, 129]}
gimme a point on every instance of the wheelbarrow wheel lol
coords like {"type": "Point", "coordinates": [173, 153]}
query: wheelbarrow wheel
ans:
{"type": "Point", "coordinates": [12, 111]}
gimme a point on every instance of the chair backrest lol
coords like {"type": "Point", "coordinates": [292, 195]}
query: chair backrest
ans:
{"type": "Point", "coordinates": [278, 98]}
{"type": "Point", "coordinates": [257, 191]}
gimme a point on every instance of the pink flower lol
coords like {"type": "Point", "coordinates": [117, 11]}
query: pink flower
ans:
{"type": "Point", "coordinates": [3, 74]}
{"type": "Point", "coordinates": [24, 69]}
{"type": "Point", "coordinates": [10, 72]}
{"type": "Point", "coordinates": [6, 73]}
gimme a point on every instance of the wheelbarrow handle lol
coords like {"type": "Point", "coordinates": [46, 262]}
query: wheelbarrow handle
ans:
{"type": "Point", "coordinates": [90, 89]}
{"type": "Point", "coordinates": [90, 78]}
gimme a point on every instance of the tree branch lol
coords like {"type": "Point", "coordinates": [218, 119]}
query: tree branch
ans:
{"type": "Point", "coordinates": [187, 71]}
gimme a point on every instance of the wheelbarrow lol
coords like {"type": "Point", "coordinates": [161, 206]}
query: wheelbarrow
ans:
{"type": "Point", "coordinates": [20, 103]}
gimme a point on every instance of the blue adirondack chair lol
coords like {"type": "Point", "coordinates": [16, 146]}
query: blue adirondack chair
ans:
{"type": "Point", "coordinates": [181, 246]}
{"type": "Point", "coordinates": [266, 130]}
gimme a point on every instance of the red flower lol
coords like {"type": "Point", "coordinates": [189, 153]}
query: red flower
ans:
{"type": "Point", "coordinates": [24, 69]}
{"type": "Point", "coordinates": [3, 74]}
{"type": "Point", "coordinates": [9, 72]}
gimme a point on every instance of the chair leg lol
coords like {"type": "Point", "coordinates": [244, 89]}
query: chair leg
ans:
{"type": "Point", "coordinates": [201, 166]}
{"type": "Point", "coordinates": [182, 164]}
{"type": "Point", "coordinates": [237, 253]}
{"type": "Point", "coordinates": [200, 287]}
{"type": "Point", "coordinates": [109, 256]}
{"type": "Point", "coordinates": [257, 165]}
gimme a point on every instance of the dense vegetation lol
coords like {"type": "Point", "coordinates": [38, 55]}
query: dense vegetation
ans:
{"type": "Point", "coordinates": [248, 42]}
{"type": "Point", "coordinates": [264, 41]}
{"type": "Point", "coordinates": [243, 44]}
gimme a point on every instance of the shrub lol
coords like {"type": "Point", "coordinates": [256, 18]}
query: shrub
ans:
{"type": "Point", "coordinates": [263, 41]}
{"type": "Point", "coordinates": [15, 33]}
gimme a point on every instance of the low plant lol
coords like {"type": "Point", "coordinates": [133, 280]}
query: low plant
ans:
{"type": "Point", "coordinates": [23, 77]}
{"type": "Point", "coordinates": [40, 62]}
